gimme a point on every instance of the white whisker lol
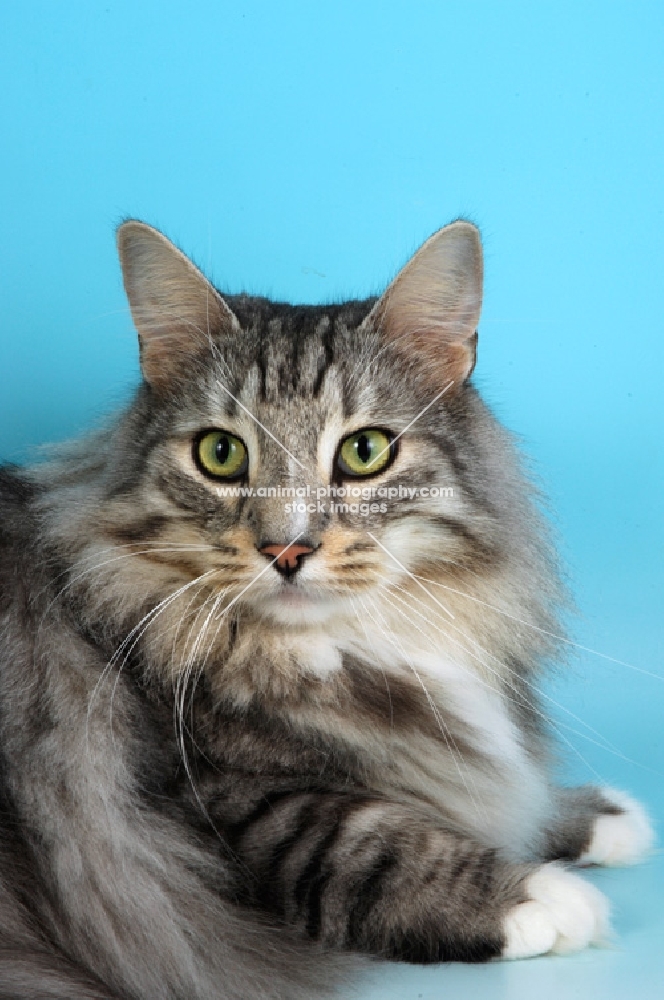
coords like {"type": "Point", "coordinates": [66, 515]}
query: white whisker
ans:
{"type": "Point", "coordinates": [130, 641]}
{"type": "Point", "coordinates": [490, 688]}
{"type": "Point", "coordinates": [453, 749]}
{"type": "Point", "coordinates": [262, 426]}
{"type": "Point", "coordinates": [264, 570]}
{"type": "Point", "coordinates": [411, 575]}
{"type": "Point", "coordinates": [534, 687]}
{"type": "Point", "coordinates": [118, 558]}
{"type": "Point", "coordinates": [382, 669]}
{"type": "Point", "coordinates": [543, 631]}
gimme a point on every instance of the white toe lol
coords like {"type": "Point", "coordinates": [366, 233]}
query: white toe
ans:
{"type": "Point", "coordinates": [621, 839]}
{"type": "Point", "coordinates": [563, 913]}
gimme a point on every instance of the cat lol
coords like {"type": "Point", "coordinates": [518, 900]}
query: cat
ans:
{"type": "Point", "coordinates": [248, 735]}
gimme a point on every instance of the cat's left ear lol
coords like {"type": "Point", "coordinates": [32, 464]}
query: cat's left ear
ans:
{"type": "Point", "coordinates": [174, 307]}
{"type": "Point", "coordinates": [430, 312]}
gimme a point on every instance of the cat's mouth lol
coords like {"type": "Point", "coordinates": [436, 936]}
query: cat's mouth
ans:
{"type": "Point", "coordinates": [294, 604]}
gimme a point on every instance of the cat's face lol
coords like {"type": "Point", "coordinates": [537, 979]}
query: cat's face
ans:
{"type": "Point", "coordinates": [303, 456]}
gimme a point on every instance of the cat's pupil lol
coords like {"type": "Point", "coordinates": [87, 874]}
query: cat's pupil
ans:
{"type": "Point", "coordinates": [222, 451]}
{"type": "Point", "coordinates": [364, 448]}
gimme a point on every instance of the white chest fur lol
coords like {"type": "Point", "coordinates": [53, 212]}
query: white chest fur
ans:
{"type": "Point", "coordinates": [478, 771]}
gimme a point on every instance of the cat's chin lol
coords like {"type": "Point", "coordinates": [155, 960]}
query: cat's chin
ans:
{"type": "Point", "coordinates": [296, 607]}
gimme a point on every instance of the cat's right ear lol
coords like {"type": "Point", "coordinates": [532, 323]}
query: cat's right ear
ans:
{"type": "Point", "coordinates": [174, 307]}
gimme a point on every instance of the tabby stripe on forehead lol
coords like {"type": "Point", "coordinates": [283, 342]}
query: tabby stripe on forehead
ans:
{"type": "Point", "coordinates": [262, 365]}
{"type": "Point", "coordinates": [326, 333]}
{"type": "Point", "coordinates": [290, 371]}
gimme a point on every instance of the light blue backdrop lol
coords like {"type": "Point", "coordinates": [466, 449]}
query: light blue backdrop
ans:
{"type": "Point", "coordinates": [305, 150]}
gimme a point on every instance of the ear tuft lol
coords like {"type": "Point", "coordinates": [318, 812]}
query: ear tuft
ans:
{"type": "Point", "coordinates": [174, 307]}
{"type": "Point", "coordinates": [431, 310]}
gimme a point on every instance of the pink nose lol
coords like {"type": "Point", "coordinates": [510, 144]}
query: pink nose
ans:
{"type": "Point", "coordinates": [287, 556]}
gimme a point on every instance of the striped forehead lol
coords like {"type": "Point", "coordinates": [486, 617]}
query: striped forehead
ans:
{"type": "Point", "coordinates": [277, 367]}
{"type": "Point", "coordinates": [293, 369]}
{"type": "Point", "coordinates": [274, 405]}
{"type": "Point", "coordinates": [293, 346]}
{"type": "Point", "coordinates": [292, 359]}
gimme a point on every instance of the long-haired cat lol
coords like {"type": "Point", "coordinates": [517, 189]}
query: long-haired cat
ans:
{"type": "Point", "coordinates": [269, 660]}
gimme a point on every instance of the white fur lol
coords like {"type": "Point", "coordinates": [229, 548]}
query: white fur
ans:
{"type": "Point", "coordinates": [505, 805]}
{"type": "Point", "coordinates": [623, 839]}
{"type": "Point", "coordinates": [316, 654]}
{"type": "Point", "coordinates": [562, 914]}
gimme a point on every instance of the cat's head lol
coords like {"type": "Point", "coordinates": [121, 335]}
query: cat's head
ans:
{"type": "Point", "coordinates": [263, 427]}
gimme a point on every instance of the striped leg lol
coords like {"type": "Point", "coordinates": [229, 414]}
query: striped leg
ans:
{"type": "Point", "coordinates": [359, 873]}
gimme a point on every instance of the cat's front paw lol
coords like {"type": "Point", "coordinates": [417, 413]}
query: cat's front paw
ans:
{"type": "Point", "coordinates": [562, 913]}
{"type": "Point", "coordinates": [619, 838]}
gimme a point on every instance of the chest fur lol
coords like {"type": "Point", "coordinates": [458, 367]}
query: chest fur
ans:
{"type": "Point", "coordinates": [426, 720]}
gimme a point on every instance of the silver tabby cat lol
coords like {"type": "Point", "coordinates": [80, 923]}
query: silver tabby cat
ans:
{"type": "Point", "coordinates": [269, 661]}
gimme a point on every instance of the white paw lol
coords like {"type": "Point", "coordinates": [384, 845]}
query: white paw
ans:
{"type": "Point", "coordinates": [622, 839]}
{"type": "Point", "coordinates": [563, 913]}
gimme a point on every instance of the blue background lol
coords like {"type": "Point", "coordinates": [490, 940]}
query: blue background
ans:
{"type": "Point", "coordinates": [304, 151]}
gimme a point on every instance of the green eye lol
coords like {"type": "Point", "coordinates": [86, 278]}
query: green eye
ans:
{"type": "Point", "coordinates": [365, 453]}
{"type": "Point", "coordinates": [220, 454]}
